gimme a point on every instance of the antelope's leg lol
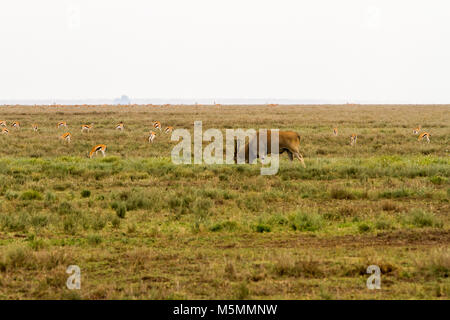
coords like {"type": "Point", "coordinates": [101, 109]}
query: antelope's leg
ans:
{"type": "Point", "coordinates": [290, 154]}
{"type": "Point", "coordinates": [300, 158]}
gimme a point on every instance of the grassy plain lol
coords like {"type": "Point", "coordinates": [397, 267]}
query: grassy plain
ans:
{"type": "Point", "coordinates": [141, 227]}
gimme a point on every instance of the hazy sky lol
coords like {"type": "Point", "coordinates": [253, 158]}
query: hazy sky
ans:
{"type": "Point", "coordinates": [394, 50]}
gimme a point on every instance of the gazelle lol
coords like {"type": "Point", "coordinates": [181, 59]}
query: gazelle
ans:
{"type": "Point", "coordinates": [425, 135]}
{"type": "Point", "coordinates": [335, 132]}
{"type": "Point", "coordinates": [35, 127]}
{"type": "Point", "coordinates": [416, 130]}
{"type": "Point", "coordinates": [62, 124]}
{"type": "Point", "coordinates": [168, 129]}
{"type": "Point", "coordinates": [3, 123]}
{"type": "Point", "coordinates": [16, 124]}
{"type": "Point", "coordinates": [66, 137]}
{"type": "Point", "coordinates": [157, 125]}
{"type": "Point", "coordinates": [86, 127]}
{"type": "Point", "coordinates": [97, 148]}
{"type": "Point", "coordinates": [119, 126]}
{"type": "Point", "coordinates": [5, 131]}
{"type": "Point", "coordinates": [151, 137]}
{"type": "Point", "coordinates": [353, 139]}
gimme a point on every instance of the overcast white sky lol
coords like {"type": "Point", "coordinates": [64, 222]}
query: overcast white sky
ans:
{"type": "Point", "coordinates": [389, 50]}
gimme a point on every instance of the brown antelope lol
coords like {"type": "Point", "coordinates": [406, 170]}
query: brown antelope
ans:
{"type": "Point", "coordinates": [35, 127]}
{"type": "Point", "coordinates": [119, 126]}
{"type": "Point", "coordinates": [2, 123]}
{"type": "Point", "coordinates": [151, 137]}
{"type": "Point", "coordinates": [16, 124]}
{"type": "Point", "coordinates": [157, 125]}
{"type": "Point", "coordinates": [62, 124]}
{"type": "Point", "coordinates": [335, 132]}
{"type": "Point", "coordinates": [66, 137]}
{"type": "Point", "coordinates": [97, 148]}
{"type": "Point", "coordinates": [86, 127]}
{"type": "Point", "coordinates": [168, 129]}
{"type": "Point", "coordinates": [5, 131]}
{"type": "Point", "coordinates": [425, 135]}
{"type": "Point", "coordinates": [288, 141]}
{"type": "Point", "coordinates": [353, 139]}
{"type": "Point", "coordinates": [416, 130]}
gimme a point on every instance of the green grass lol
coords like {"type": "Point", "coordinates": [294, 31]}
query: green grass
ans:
{"type": "Point", "coordinates": [141, 227]}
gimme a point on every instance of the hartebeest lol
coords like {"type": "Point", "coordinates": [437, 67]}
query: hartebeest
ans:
{"type": "Point", "coordinates": [288, 141]}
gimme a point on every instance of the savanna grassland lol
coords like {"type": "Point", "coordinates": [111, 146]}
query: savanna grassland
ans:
{"type": "Point", "coordinates": [141, 227]}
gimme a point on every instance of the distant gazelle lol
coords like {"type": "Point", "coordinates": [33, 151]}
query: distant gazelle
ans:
{"type": "Point", "coordinates": [425, 135]}
{"type": "Point", "coordinates": [16, 124]}
{"type": "Point", "coordinates": [35, 127]}
{"type": "Point", "coordinates": [157, 125]}
{"type": "Point", "coordinates": [86, 127]}
{"type": "Point", "coordinates": [119, 126]}
{"type": "Point", "coordinates": [353, 139]}
{"type": "Point", "coordinates": [66, 137]}
{"type": "Point", "coordinates": [335, 131]}
{"type": "Point", "coordinates": [97, 148]}
{"type": "Point", "coordinates": [62, 124]}
{"type": "Point", "coordinates": [416, 130]}
{"type": "Point", "coordinates": [2, 123]}
{"type": "Point", "coordinates": [168, 129]}
{"type": "Point", "coordinates": [5, 131]}
{"type": "Point", "coordinates": [151, 137]}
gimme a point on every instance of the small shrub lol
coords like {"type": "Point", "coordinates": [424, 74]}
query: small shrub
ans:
{"type": "Point", "coordinates": [421, 218]}
{"type": "Point", "coordinates": [86, 193]}
{"type": "Point", "coordinates": [438, 180]}
{"type": "Point", "coordinates": [226, 225]}
{"type": "Point", "coordinates": [263, 228]}
{"type": "Point", "coordinates": [65, 208]}
{"type": "Point", "coordinates": [115, 222]}
{"type": "Point", "coordinates": [363, 227]}
{"type": "Point", "coordinates": [339, 193]}
{"type": "Point", "coordinates": [31, 195]}
{"type": "Point", "coordinates": [94, 239]}
{"type": "Point", "coordinates": [16, 256]}
{"type": "Point", "coordinates": [10, 195]}
{"type": "Point", "coordinates": [242, 292]}
{"type": "Point", "coordinates": [383, 224]}
{"type": "Point", "coordinates": [307, 221]}
{"type": "Point", "coordinates": [389, 206]}
{"type": "Point", "coordinates": [121, 210]}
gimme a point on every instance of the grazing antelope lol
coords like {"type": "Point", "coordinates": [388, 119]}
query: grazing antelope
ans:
{"type": "Point", "coordinates": [97, 148]}
{"type": "Point", "coordinates": [353, 139]}
{"type": "Point", "coordinates": [5, 131]}
{"type": "Point", "coordinates": [66, 137]}
{"type": "Point", "coordinates": [151, 137]}
{"type": "Point", "coordinates": [86, 127]}
{"type": "Point", "coordinates": [3, 123]}
{"type": "Point", "coordinates": [16, 124]}
{"type": "Point", "coordinates": [157, 125]}
{"type": "Point", "coordinates": [287, 141]}
{"type": "Point", "coordinates": [35, 127]}
{"type": "Point", "coordinates": [119, 126]}
{"type": "Point", "coordinates": [335, 132]}
{"type": "Point", "coordinates": [425, 135]}
{"type": "Point", "coordinates": [416, 130]}
{"type": "Point", "coordinates": [62, 124]}
{"type": "Point", "coordinates": [168, 129]}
